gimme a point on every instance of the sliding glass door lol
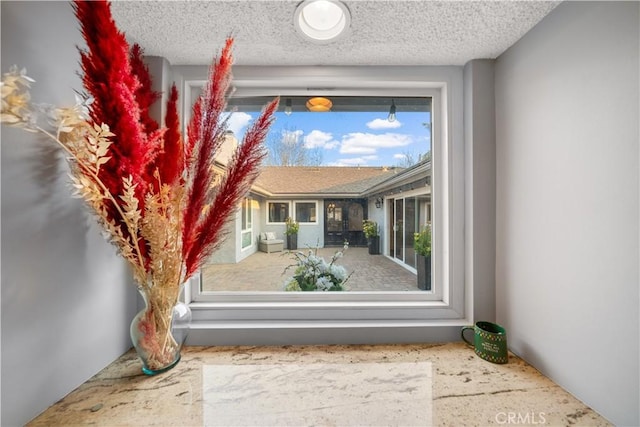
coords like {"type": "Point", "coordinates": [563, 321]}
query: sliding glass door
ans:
{"type": "Point", "coordinates": [407, 215]}
{"type": "Point", "coordinates": [410, 223]}
{"type": "Point", "coordinates": [397, 230]}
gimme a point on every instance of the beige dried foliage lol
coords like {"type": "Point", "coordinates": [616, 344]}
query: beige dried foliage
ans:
{"type": "Point", "coordinates": [161, 229]}
{"type": "Point", "coordinates": [89, 144]}
{"type": "Point", "coordinates": [88, 148]}
{"type": "Point", "coordinates": [69, 119]}
{"type": "Point", "coordinates": [158, 273]}
{"type": "Point", "coordinates": [16, 109]}
{"type": "Point", "coordinates": [132, 214]}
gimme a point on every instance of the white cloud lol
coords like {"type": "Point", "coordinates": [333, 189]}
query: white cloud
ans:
{"type": "Point", "coordinates": [368, 143]}
{"type": "Point", "coordinates": [238, 121]}
{"type": "Point", "coordinates": [383, 124]}
{"type": "Point", "coordinates": [355, 161]}
{"type": "Point", "coordinates": [317, 138]}
{"type": "Point", "coordinates": [400, 156]}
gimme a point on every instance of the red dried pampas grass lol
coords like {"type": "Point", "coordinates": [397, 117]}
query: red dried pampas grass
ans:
{"type": "Point", "coordinates": [212, 199]}
{"type": "Point", "coordinates": [110, 80]}
{"type": "Point", "coordinates": [162, 200]}
{"type": "Point", "coordinates": [171, 159]}
{"type": "Point", "coordinates": [201, 240]}
{"type": "Point", "coordinates": [145, 95]}
{"type": "Point", "coordinates": [159, 166]}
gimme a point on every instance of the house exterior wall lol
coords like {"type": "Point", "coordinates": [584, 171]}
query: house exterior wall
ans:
{"type": "Point", "coordinates": [312, 235]}
{"type": "Point", "coordinates": [278, 228]}
{"type": "Point", "coordinates": [309, 235]}
{"type": "Point", "coordinates": [242, 253]}
{"type": "Point", "coordinates": [231, 250]}
{"type": "Point", "coordinates": [227, 252]}
{"type": "Point", "coordinates": [377, 215]}
{"type": "Point", "coordinates": [567, 108]}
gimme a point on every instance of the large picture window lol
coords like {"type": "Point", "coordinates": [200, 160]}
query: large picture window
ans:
{"type": "Point", "coordinates": [447, 304]}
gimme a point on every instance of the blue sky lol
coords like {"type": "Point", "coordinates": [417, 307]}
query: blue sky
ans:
{"type": "Point", "coordinates": [351, 138]}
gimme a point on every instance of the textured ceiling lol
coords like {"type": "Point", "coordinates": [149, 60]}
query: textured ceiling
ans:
{"type": "Point", "coordinates": [412, 32]}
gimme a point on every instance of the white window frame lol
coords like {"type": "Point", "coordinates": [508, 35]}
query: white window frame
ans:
{"type": "Point", "coordinates": [247, 208]}
{"type": "Point", "coordinates": [295, 213]}
{"type": "Point", "coordinates": [217, 314]}
{"type": "Point", "coordinates": [285, 202]}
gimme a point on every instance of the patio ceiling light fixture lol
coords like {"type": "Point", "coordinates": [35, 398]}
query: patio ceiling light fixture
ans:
{"type": "Point", "coordinates": [287, 107]}
{"type": "Point", "coordinates": [392, 112]}
{"type": "Point", "coordinates": [319, 104]}
{"type": "Point", "coordinates": [322, 21]}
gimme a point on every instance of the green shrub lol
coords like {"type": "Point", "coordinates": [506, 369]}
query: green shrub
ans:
{"type": "Point", "coordinates": [370, 228]}
{"type": "Point", "coordinates": [422, 241]}
{"type": "Point", "coordinates": [292, 226]}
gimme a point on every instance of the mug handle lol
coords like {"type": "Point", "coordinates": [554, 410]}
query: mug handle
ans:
{"type": "Point", "coordinates": [464, 328]}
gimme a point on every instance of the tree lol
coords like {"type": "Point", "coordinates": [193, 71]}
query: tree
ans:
{"type": "Point", "coordinates": [408, 158]}
{"type": "Point", "coordinates": [411, 158]}
{"type": "Point", "coordinates": [287, 148]}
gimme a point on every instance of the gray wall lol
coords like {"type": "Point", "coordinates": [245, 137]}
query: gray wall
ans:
{"type": "Point", "coordinates": [567, 97]}
{"type": "Point", "coordinates": [377, 215]}
{"type": "Point", "coordinates": [67, 299]}
{"type": "Point", "coordinates": [312, 235]}
{"type": "Point", "coordinates": [567, 215]}
{"type": "Point", "coordinates": [309, 235]}
{"type": "Point", "coordinates": [480, 200]}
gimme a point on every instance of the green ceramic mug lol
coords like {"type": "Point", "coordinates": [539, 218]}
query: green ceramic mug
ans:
{"type": "Point", "coordinates": [490, 341]}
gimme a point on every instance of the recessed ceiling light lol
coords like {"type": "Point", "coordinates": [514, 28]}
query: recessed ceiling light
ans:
{"type": "Point", "coordinates": [322, 21]}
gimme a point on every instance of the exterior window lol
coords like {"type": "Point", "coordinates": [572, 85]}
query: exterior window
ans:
{"type": "Point", "coordinates": [306, 212]}
{"type": "Point", "coordinates": [247, 220]}
{"type": "Point", "coordinates": [278, 212]}
{"type": "Point", "coordinates": [431, 190]}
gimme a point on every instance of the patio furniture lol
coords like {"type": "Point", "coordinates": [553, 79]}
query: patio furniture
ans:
{"type": "Point", "coordinates": [268, 243]}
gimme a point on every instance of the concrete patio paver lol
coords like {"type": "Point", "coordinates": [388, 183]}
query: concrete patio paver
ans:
{"type": "Point", "coordinates": [264, 272]}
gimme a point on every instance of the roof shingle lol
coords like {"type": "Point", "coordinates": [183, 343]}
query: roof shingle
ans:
{"type": "Point", "coordinates": [321, 179]}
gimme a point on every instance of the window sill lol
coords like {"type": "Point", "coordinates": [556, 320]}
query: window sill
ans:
{"type": "Point", "coordinates": [261, 332]}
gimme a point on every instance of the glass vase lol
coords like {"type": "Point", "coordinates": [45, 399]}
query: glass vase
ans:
{"type": "Point", "coordinates": [159, 330]}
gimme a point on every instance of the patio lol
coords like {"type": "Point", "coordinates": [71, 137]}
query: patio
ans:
{"type": "Point", "coordinates": [264, 272]}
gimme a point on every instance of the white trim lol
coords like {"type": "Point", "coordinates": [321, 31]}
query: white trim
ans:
{"type": "Point", "coordinates": [187, 102]}
{"type": "Point", "coordinates": [248, 200]}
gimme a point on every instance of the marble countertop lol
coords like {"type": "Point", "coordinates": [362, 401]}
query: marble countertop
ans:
{"type": "Point", "coordinates": [445, 384]}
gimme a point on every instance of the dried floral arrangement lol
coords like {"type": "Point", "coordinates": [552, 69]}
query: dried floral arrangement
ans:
{"type": "Point", "coordinates": [313, 273]}
{"type": "Point", "coordinates": [157, 194]}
